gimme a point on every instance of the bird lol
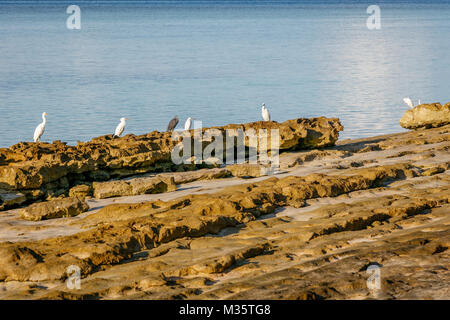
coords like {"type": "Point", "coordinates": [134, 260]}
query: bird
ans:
{"type": "Point", "coordinates": [120, 127]}
{"type": "Point", "coordinates": [409, 102]}
{"type": "Point", "coordinates": [187, 124]}
{"type": "Point", "coordinates": [172, 124]}
{"type": "Point", "coordinates": [265, 113]}
{"type": "Point", "coordinates": [39, 131]}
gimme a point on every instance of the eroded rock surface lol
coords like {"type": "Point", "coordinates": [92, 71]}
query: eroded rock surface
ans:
{"type": "Point", "coordinates": [309, 232]}
{"type": "Point", "coordinates": [426, 116]}
{"type": "Point", "coordinates": [131, 187]}
{"type": "Point", "coordinates": [81, 191]}
{"type": "Point", "coordinates": [44, 170]}
{"type": "Point", "coordinates": [11, 199]}
{"type": "Point", "coordinates": [60, 208]}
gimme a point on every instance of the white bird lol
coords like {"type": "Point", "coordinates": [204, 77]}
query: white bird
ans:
{"type": "Point", "coordinates": [39, 131]}
{"type": "Point", "coordinates": [409, 102]}
{"type": "Point", "coordinates": [120, 127]}
{"type": "Point", "coordinates": [265, 113]}
{"type": "Point", "coordinates": [187, 124]}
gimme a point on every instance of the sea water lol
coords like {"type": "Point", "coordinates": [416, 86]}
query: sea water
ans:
{"type": "Point", "coordinates": [216, 61]}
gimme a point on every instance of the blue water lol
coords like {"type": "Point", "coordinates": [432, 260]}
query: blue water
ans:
{"type": "Point", "coordinates": [216, 61]}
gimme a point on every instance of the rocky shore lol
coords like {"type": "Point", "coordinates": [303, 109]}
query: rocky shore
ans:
{"type": "Point", "coordinates": [33, 172]}
{"type": "Point", "coordinates": [309, 232]}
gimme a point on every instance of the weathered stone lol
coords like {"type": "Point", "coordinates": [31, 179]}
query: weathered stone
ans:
{"type": "Point", "coordinates": [67, 207]}
{"type": "Point", "coordinates": [296, 134]}
{"type": "Point", "coordinates": [202, 174]}
{"type": "Point", "coordinates": [16, 263]}
{"type": "Point", "coordinates": [246, 170]}
{"type": "Point", "coordinates": [54, 168]}
{"type": "Point", "coordinates": [132, 187]}
{"type": "Point", "coordinates": [81, 191]}
{"type": "Point", "coordinates": [110, 189]}
{"type": "Point", "coordinates": [426, 116]}
{"type": "Point", "coordinates": [197, 215]}
{"type": "Point", "coordinates": [310, 233]}
{"type": "Point", "coordinates": [9, 199]}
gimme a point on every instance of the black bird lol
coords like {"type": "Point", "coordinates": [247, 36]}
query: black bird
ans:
{"type": "Point", "coordinates": [172, 124]}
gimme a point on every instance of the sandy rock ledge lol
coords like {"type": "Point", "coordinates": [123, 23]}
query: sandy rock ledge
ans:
{"type": "Point", "coordinates": [308, 232]}
{"type": "Point", "coordinates": [426, 116]}
{"type": "Point", "coordinates": [60, 208]}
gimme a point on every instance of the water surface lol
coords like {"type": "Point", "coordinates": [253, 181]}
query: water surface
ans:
{"type": "Point", "coordinates": [216, 61]}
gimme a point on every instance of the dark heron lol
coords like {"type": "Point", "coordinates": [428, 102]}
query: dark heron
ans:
{"type": "Point", "coordinates": [172, 124]}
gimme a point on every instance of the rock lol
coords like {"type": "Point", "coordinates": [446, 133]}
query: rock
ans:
{"type": "Point", "coordinates": [297, 134]}
{"type": "Point", "coordinates": [110, 189]}
{"type": "Point", "coordinates": [60, 208]}
{"type": "Point", "coordinates": [426, 116]}
{"type": "Point", "coordinates": [10, 199]}
{"type": "Point", "coordinates": [133, 187]}
{"type": "Point", "coordinates": [246, 170]}
{"type": "Point", "coordinates": [202, 174]}
{"type": "Point", "coordinates": [46, 170]}
{"type": "Point", "coordinates": [81, 191]}
{"type": "Point", "coordinates": [434, 170]}
{"type": "Point", "coordinates": [197, 215]}
{"type": "Point", "coordinates": [16, 263]}
{"type": "Point", "coordinates": [310, 233]}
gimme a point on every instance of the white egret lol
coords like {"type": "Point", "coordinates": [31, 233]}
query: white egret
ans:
{"type": "Point", "coordinates": [188, 123]}
{"type": "Point", "coordinates": [410, 103]}
{"type": "Point", "coordinates": [120, 127]}
{"type": "Point", "coordinates": [265, 113]}
{"type": "Point", "coordinates": [39, 131]}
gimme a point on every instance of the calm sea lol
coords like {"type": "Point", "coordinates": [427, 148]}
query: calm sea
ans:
{"type": "Point", "coordinates": [216, 61]}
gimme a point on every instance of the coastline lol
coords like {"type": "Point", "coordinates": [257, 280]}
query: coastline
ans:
{"type": "Point", "coordinates": [309, 232]}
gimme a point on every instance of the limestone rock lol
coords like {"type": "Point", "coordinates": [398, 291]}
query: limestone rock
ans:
{"type": "Point", "coordinates": [132, 187]}
{"type": "Point", "coordinates": [202, 174]}
{"type": "Point", "coordinates": [16, 263]}
{"type": "Point", "coordinates": [297, 134]}
{"type": "Point", "coordinates": [81, 191]}
{"type": "Point", "coordinates": [309, 233]}
{"type": "Point", "coordinates": [426, 116]}
{"type": "Point", "coordinates": [10, 199]}
{"type": "Point", "coordinates": [67, 207]}
{"type": "Point", "coordinates": [50, 170]}
{"type": "Point", "coordinates": [246, 170]}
